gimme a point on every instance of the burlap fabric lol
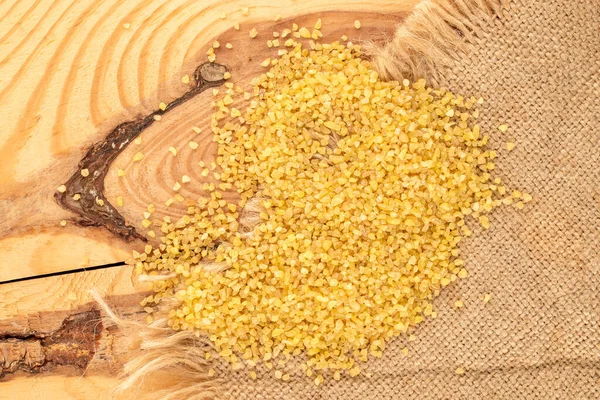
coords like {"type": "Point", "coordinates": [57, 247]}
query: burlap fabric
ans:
{"type": "Point", "coordinates": [539, 336]}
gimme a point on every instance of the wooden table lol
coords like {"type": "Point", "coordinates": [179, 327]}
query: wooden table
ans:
{"type": "Point", "coordinates": [71, 72]}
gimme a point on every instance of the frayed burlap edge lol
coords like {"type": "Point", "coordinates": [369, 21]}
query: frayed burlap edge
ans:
{"type": "Point", "coordinates": [165, 364]}
{"type": "Point", "coordinates": [437, 32]}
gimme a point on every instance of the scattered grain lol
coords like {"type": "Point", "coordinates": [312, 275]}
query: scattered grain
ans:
{"type": "Point", "coordinates": [316, 163]}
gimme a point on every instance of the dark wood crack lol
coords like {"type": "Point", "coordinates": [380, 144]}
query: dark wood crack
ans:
{"type": "Point", "coordinates": [93, 207]}
{"type": "Point", "coordinates": [73, 344]}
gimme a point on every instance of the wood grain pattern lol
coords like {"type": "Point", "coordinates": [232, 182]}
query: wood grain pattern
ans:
{"type": "Point", "coordinates": [39, 307]}
{"type": "Point", "coordinates": [70, 72]}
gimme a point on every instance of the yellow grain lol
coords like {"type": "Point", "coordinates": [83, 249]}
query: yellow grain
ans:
{"type": "Point", "coordinates": [304, 32]}
{"type": "Point", "coordinates": [85, 172]}
{"type": "Point", "coordinates": [61, 189]}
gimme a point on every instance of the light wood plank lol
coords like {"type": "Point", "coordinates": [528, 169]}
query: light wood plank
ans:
{"type": "Point", "coordinates": [71, 71]}
{"type": "Point", "coordinates": [79, 73]}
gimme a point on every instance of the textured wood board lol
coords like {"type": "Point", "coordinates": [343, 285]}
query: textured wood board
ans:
{"type": "Point", "coordinates": [73, 70]}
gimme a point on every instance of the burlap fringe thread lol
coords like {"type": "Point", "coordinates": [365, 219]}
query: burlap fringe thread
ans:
{"type": "Point", "coordinates": [167, 365]}
{"type": "Point", "coordinates": [437, 32]}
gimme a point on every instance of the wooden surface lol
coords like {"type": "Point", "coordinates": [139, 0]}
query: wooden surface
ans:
{"type": "Point", "coordinates": [70, 71]}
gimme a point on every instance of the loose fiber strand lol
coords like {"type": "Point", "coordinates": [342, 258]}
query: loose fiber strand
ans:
{"type": "Point", "coordinates": [171, 362]}
{"type": "Point", "coordinates": [437, 32]}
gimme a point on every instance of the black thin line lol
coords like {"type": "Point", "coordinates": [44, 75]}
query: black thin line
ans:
{"type": "Point", "coordinates": [70, 271]}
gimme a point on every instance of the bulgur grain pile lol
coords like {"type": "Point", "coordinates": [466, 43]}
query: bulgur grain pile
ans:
{"type": "Point", "coordinates": [353, 198]}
